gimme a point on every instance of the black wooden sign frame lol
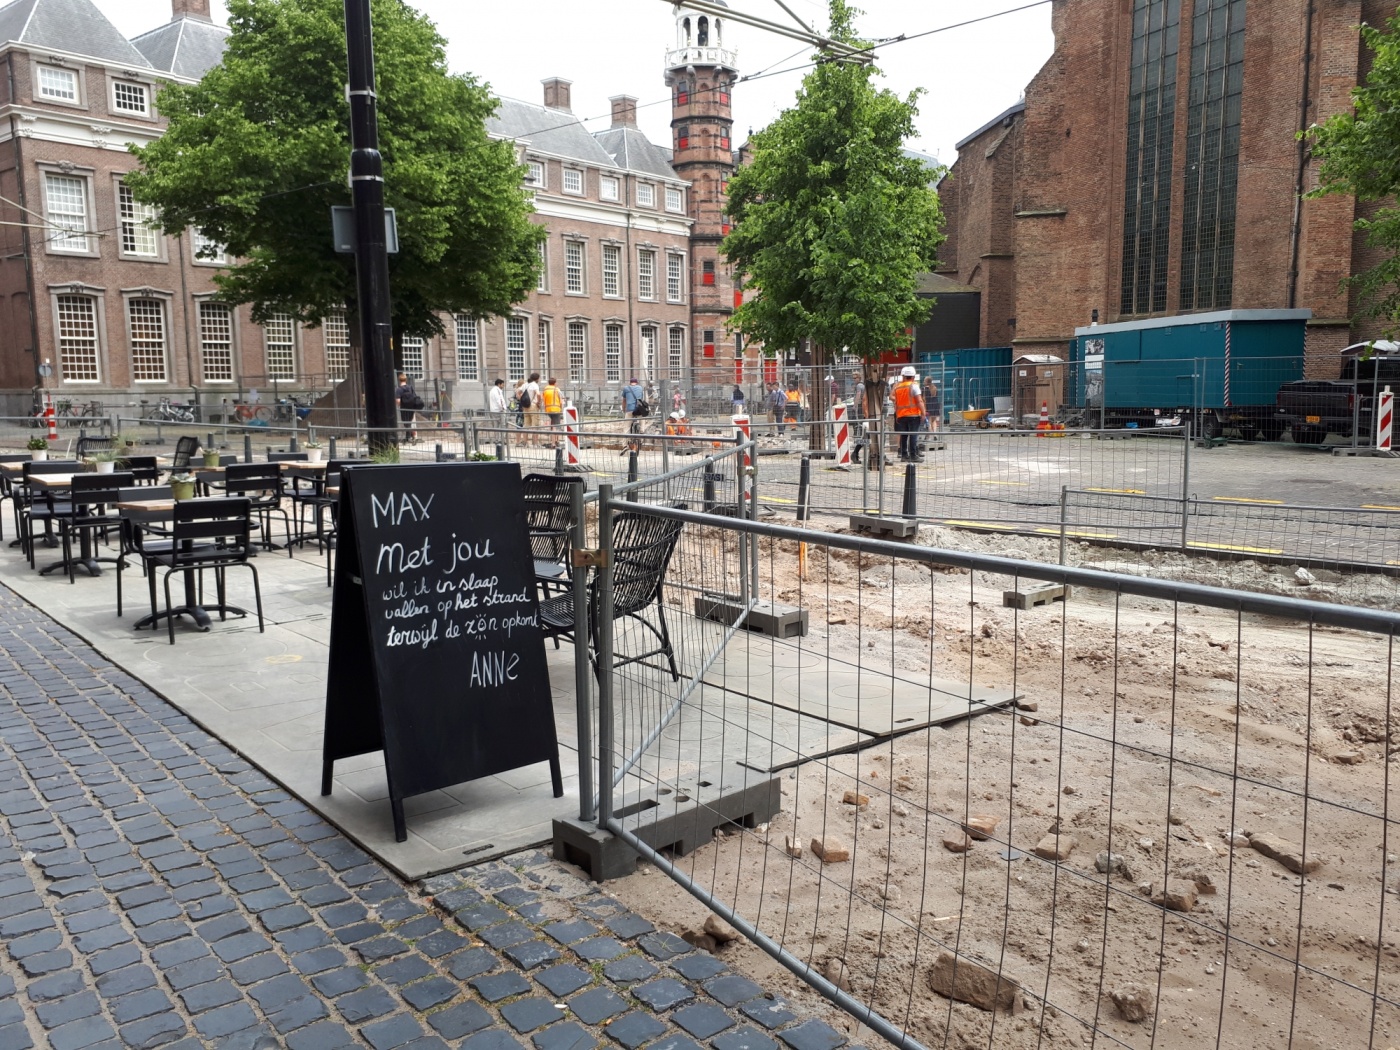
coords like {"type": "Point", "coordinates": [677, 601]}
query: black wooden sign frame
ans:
{"type": "Point", "coordinates": [436, 655]}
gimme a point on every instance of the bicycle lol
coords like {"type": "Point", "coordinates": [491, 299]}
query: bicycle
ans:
{"type": "Point", "coordinates": [166, 411]}
{"type": "Point", "coordinates": [252, 415]}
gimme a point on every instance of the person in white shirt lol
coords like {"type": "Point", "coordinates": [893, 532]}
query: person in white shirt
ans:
{"type": "Point", "coordinates": [496, 405]}
{"type": "Point", "coordinates": [528, 394]}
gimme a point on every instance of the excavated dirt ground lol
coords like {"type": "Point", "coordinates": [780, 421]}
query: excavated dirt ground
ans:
{"type": "Point", "coordinates": [1162, 732]}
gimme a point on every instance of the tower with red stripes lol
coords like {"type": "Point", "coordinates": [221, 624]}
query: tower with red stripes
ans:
{"type": "Point", "coordinates": [700, 72]}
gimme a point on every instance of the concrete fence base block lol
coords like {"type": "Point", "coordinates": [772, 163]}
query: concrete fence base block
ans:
{"type": "Point", "coordinates": [1029, 599]}
{"type": "Point", "coordinates": [770, 618]}
{"type": "Point", "coordinates": [677, 816]}
{"type": "Point", "coordinates": [899, 528]}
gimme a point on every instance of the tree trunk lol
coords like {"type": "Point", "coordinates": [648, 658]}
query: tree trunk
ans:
{"type": "Point", "coordinates": [875, 390]}
{"type": "Point", "coordinates": [819, 399]}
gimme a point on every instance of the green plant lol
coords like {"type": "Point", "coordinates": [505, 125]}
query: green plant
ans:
{"type": "Point", "coordinates": [115, 454]}
{"type": "Point", "coordinates": [478, 456]}
{"type": "Point", "coordinates": [387, 454]}
{"type": "Point", "coordinates": [36, 444]}
{"type": "Point", "coordinates": [312, 443]}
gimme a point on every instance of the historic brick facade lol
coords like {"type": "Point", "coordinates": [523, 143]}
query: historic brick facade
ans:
{"type": "Point", "coordinates": [1110, 189]}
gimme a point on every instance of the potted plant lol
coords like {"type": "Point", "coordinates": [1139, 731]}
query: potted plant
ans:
{"type": "Point", "coordinates": [313, 451]}
{"type": "Point", "coordinates": [105, 460]}
{"type": "Point", "coordinates": [182, 486]}
{"type": "Point", "coordinates": [38, 448]}
{"type": "Point", "coordinates": [212, 457]}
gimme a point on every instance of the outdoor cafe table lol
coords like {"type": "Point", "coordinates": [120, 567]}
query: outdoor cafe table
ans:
{"type": "Point", "coordinates": [154, 510]}
{"type": "Point", "coordinates": [85, 558]}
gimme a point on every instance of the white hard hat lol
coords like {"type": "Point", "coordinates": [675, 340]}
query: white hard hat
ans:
{"type": "Point", "coordinates": [676, 415]}
{"type": "Point", "coordinates": [908, 372]}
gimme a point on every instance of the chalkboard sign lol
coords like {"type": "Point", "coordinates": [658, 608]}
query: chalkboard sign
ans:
{"type": "Point", "coordinates": [436, 655]}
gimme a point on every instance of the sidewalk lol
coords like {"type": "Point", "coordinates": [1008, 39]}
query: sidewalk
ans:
{"type": "Point", "coordinates": [157, 890]}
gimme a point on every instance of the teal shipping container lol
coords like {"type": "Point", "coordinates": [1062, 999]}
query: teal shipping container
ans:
{"type": "Point", "coordinates": [970, 378]}
{"type": "Point", "coordinates": [1215, 370]}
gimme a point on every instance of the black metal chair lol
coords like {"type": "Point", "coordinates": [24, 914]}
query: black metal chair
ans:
{"type": "Point", "coordinates": [145, 468]}
{"type": "Point", "coordinates": [140, 533]}
{"type": "Point", "coordinates": [31, 507]}
{"type": "Point", "coordinates": [261, 484]}
{"type": "Point", "coordinates": [207, 534]}
{"type": "Point", "coordinates": [288, 457]}
{"type": "Point", "coordinates": [549, 519]}
{"type": "Point", "coordinates": [7, 484]}
{"type": "Point", "coordinates": [89, 511]}
{"type": "Point", "coordinates": [185, 448]}
{"type": "Point", "coordinates": [90, 444]}
{"type": "Point", "coordinates": [641, 551]}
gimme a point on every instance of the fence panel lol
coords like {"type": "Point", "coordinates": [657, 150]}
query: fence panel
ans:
{"type": "Point", "coordinates": [1143, 814]}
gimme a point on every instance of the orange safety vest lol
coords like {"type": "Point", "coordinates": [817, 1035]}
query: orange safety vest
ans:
{"type": "Point", "coordinates": [906, 400]}
{"type": "Point", "coordinates": [552, 404]}
{"type": "Point", "coordinates": [794, 397]}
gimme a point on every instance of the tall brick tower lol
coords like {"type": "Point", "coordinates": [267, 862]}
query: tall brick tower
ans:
{"type": "Point", "coordinates": [700, 72]}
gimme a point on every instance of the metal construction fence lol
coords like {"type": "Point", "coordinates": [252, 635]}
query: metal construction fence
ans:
{"type": "Point", "coordinates": [1146, 814]}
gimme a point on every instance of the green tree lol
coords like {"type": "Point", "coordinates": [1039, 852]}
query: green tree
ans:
{"type": "Point", "coordinates": [833, 221]}
{"type": "Point", "coordinates": [1360, 155]}
{"type": "Point", "coordinates": [258, 151]}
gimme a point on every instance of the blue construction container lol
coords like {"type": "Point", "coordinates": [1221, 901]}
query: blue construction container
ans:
{"type": "Point", "coordinates": [973, 377]}
{"type": "Point", "coordinates": [1215, 369]}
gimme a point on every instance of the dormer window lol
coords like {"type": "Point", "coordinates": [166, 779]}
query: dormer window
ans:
{"type": "Point", "coordinates": [130, 98]}
{"type": "Point", "coordinates": [59, 85]}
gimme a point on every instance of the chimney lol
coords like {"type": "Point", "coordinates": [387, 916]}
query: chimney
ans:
{"type": "Point", "coordinates": [556, 93]}
{"type": "Point", "coordinates": [190, 9]}
{"type": "Point", "coordinates": [624, 111]}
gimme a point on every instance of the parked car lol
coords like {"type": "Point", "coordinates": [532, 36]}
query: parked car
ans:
{"type": "Point", "coordinates": [1314, 408]}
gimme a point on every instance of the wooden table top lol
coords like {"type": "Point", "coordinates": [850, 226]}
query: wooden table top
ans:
{"type": "Point", "coordinates": [286, 464]}
{"type": "Point", "coordinates": [53, 481]}
{"type": "Point", "coordinates": [149, 505]}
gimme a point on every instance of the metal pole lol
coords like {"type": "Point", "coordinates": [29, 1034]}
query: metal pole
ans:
{"type": "Point", "coordinates": [753, 516]}
{"type": "Point", "coordinates": [631, 475]}
{"type": "Point", "coordinates": [247, 447]}
{"type": "Point", "coordinates": [804, 487]}
{"type": "Point", "coordinates": [1064, 510]}
{"type": "Point", "coordinates": [910, 509]}
{"type": "Point", "coordinates": [865, 475]}
{"type": "Point", "coordinates": [604, 647]}
{"type": "Point", "coordinates": [371, 251]}
{"type": "Point", "coordinates": [881, 437]}
{"type": "Point", "coordinates": [437, 452]}
{"type": "Point", "coordinates": [1185, 486]}
{"type": "Point", "coordinates": [330, 448]}
{"type": "Point", "coordinates": [582, 669]}
{"type": "Point", "coordinates": [501, 452]}
{"type": "Point", "coordinates": [1356, 405]}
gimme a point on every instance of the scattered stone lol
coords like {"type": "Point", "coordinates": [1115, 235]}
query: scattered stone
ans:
{"type": "Point", "coordinates": [855, 798]}
{"type": "Point", "coordinates": [834, 970]}
{"type": "Point", "coordinates": [1145, 844]}
{"type": "Point", "coordinates": [1068, 789]}
{"type": "Point", "coordinates": [956, 842]}
{"type": "Point", "coordinates": [1304, 577]}
{"type": "Point", "coordinates": [1028, 721]}
{"type": "Point", "coordinates": [720, 930]}
{"type": "Point", "coordinates": [1205, 884]}
{"type": "Point", "coordinates": [899, 810]}
{"type": "Point", "coordinates": [1237, 840]}
{"type": "Point", "coordinates": [890, 892]}
{"type": "Point", "coordinates": [1286, 853]}
{"type": "Point", "coordinates": [700, 939]}
{"type": "Point", "coordinates": [830, 850]}
{"type": "Point", "coordinates": [1134, 1002]}
{"type": "Point", "coordinates": [1175, 819]}
{"type": "Point", "coordinates": [791, 846]}
{"type": "Point", "coordinates": [1348, 758]}
{"type": "Point", "coordinates": [981, 826]}
{"type": "Point", "coordinates": [1175, 894]}
{"type": "Point", "coordinates": [1028, 705]}
{"type": "Point", "coordinates": [1055, 847]}
{"type": "Point", "coordinates": [1106, 862]}
{"type": "Point", "coordinates": [968, 982]}
{"type": "Point", "coordinates": [1082, 946]}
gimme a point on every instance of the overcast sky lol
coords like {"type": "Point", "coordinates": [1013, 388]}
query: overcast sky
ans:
{"type": "Point", "coordinates": [617, 47]}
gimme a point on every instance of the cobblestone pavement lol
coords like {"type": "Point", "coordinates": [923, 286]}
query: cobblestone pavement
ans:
{"type": "Point", "coordinates": [157, 890]}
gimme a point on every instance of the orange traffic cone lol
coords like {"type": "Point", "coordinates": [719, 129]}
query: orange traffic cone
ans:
{"type": "Point", "coordinates": [1044, 423]}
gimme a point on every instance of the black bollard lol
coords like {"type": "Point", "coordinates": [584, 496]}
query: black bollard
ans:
{"type": "Point", "coordinates": [247, 448]}
{"type": "Point", "coordinates": [911, 497]}
{"type": "Point", "coordinates": [437, 452]}
{"type": "Point", "coordinates": [293, 446]}
{"type": "Point", "coordinates": [330, 450]}
{"type": "Point", "coordinates": [804, 486]}
{"type": "Point", "coordinates": [559, 460]}
{"type": "Point", "coordinates": [500, 452]}
{"type": "Point", "coordinates": [709, 496]}
{"type": "Point", "coordinates": [632, 475]}
{"type": "Point", "coordinates": [209, 441]}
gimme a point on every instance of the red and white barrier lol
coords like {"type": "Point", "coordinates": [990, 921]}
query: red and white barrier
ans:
{"type": "Point", "coordinates": [51, 417]}
{"type": "Point", "coordinates": [741, 429]}
{"type": "Point", "coordinates": [571, 447]}
{"type": "Point", "coordinates": [843, 435]}
{"type": "Point", "coordinates": [1385, 419]}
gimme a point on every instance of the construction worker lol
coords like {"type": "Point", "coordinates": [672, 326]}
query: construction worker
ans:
{"type": "Point", "coordinates": [793, 410]}
{"type": "Point", "coordinates": [552, 401]}
{"type": "Point", "coordinates": [908, 414]}
{"type": "Point", "coordinates": [677, 425]}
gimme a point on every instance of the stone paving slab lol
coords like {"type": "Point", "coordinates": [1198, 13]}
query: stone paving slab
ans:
{"type": "Point", "coordinates": [157, 890]}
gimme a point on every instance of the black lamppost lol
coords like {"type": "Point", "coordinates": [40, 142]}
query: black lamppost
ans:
{"type": "Point", "coordinates": [371, 249]}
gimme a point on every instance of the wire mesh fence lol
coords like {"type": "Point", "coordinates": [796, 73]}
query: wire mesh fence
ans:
{"type": "Point", "coordinates": [1141, 814]}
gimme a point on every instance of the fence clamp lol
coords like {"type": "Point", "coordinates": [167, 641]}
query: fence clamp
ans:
{"type": "Point", "coordinates": [588, 558]}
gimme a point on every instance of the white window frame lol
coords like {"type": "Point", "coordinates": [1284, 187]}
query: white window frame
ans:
{"type": "Point", "coordinates": [648, 345]}
{"type": "Point", "coordinates": [147, 97]}
{"type": "Point", "coordinates": [138, 237]}
{"type": "Point", "coordinates": [62, 225]}
{"type": "Point", "coordinates": [542, 282]}
{"type": "Point", "coordinates": [537, 174]}
{"type": "Point", "coordinates": [69, 344]}
{"type": "Point", "coordinates": [467, 337]}
{"type": "Point", "coordinates": [216, 343]}
{"type": "Point", "coordinates": [572, 287]}
{"type": "Point", "coordinates": [675, 350]}
{"type": "Point", "coordinates": [202, 242]}
{"type": "Point", "coordinates": [612, 271]}
{"type": "Point", "coordinates": [413, 349]}
{"type": "Point", "coordinates": [146, 356]}
{"type": "Point", "coordinates": [77, 81]}
{"type": "Point", "coordinates": [572, 175]}
{"type": "Point", "coordinates": [578, 351]}
{"type": "Point", "coordinates": [517, 348]}
{"type": "Point", "coordinates": [612, 353]}
{"type": "Point", "coordinates": [646, 274]}
{"type": "Point", "coordinates": [282, 322]}
{"type": "Point", "coordinates": [675, 277]}
{"type": "Point", "coordinates": [544, 339]}
{"type": "Point", "coordinates": [609, 188]}
{"type": "Point", "coordinates": [646, 195]}
{"type": "Point", "coordinates": [337, 350]}
{"type": "Point", "coordinates": [675, 199]}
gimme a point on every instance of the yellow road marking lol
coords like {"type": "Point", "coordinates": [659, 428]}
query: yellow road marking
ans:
{"type": "Point", "coordinates": [1246, 499]}
{"type": "Point", "coordinates": [1023, 484]}
{"type": "Point", "coordinates": [1087, 535]}
{"type": "Point", "coordinates": [1124, 492]}
{"type": "Point", "coordinates": [979, 524]}
{"type": "Point", "coordinates": [1377, 506]}
{"type": "Point", "coordinates": [776, 499]}
{"type": "Point", "coordinates": [1231, 547]}
{"type": "Point", "coordinates": [1393, 563]}
{"type": "Point", "coordinates": [285, 658]}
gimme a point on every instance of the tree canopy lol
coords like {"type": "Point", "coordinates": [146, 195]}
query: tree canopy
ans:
{"type": "Point", "coordinates": [833, 220]}
{"type": "Point", "coordinates": [1360, 155]}
{"type": "Point", "coordinates": [258, 151]}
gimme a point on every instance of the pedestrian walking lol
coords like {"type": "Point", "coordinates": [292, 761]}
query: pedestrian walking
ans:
{"type": "Point", "coordinates": [908, 414]}
{"type": "Point", "coordinates": [777, 406]}
{"type": "Point", "coordinates": [737, 400]}
{"type": "Point", "coordinates": [409, 402]}
{"type": "Point", "coordinates": [859, 413]}
{"type": "Point", "coordinates": [496, 405]}
{"type": "Point", "coordinates": [527, 395]}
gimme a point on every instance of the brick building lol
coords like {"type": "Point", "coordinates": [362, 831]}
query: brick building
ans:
{"type": "Point", "coordinates": [1153, 169]}
{"type": "Point", "coordinates": [122, 312]}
